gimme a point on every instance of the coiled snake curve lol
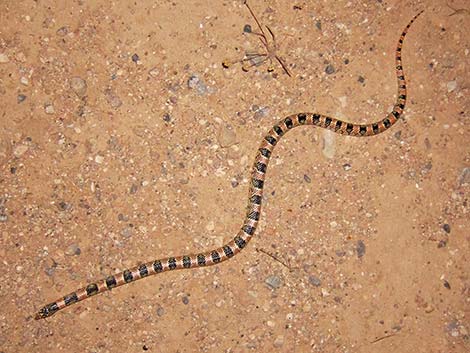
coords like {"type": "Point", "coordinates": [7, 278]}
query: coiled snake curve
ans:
{"type": "Point", "coordinates": [248, 229]}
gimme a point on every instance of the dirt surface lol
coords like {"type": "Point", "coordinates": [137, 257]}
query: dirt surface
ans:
{"type": "Point", "coordinates": [123, 139]}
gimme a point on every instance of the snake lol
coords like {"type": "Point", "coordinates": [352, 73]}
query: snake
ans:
{"type": "Point", "coordinates": [258, 174]}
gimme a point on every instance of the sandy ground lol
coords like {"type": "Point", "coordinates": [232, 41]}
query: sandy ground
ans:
{"type": "Point", "coordinates": [123, 139]}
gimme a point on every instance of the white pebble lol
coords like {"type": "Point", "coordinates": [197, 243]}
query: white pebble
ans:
{"type": "Point", "coordinates": [4, 58]}
{"type": "Point", "coordinates": [451, 86]}
{"type": "Point", "coordinates": [49, 109]}
{"type": "Point", "coordinates": [20, 150]}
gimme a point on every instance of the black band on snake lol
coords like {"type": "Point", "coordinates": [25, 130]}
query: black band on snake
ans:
{"type": "Point", "coordinates": [258, 175]}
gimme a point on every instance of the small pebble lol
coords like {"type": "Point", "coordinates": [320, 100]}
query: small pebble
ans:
{"type": "Point", "coordinates": [113, 100]}
{"type": "Point", "coordinates": [247, 29]}
{"type": "Point", "coordinates": [446, 228]}
{"type": "Point", "coordinates": [49, 108]}
{"type": "Point", "coordinates": [360, 248]}
{"type": "Point", "coordinates": [273, 281]}
{"type": "Point", "coordinates": [20, 98]}
{"type": "Point", "coordinates": [279, 341]}
{"type": "Point", "coordinates": [347, 166]}
{"type": "Point", "coordinates": [194, 82]}
{"type": "Point", "coordinates": [79, 86]}
{"type": "Point", "coordinates": [20, 150]}
{"type": "Point", "coordinates": [99, 159]}
{"type": "Point", "coordinates": [4, 58]}
{"type": "Point", "coordinates": [361, 79]}
{"type": "Point", "coordinates": [441, 244]}
{"type": "Point", "coordinates": [227, 136]}
{"type": "Point", "coordinates": [330, 69]}
{"type": "Point", "coordinates": [314, 281]}
{"type": "Point", "coordinates": [307, 178]}
{"type": "Point", "coordinates": [62, 31]}
{"type": "Point", "coordinates": [446, 284]}
{"type": "Point", "coordinates": [167, 117]}
{"type": "Point", "coordinates": [127, 232]}
{"type": "Point", "coordinates": [154, 72]}
{"type": "Point", "coordinates": [451, 86]}
{"type": "Point", "coordinates": [261, 112]}
{"type": "Point", "coordinates": [427, 143]}
{"type": "Point", "coordinates": [133, 189]}
{"type": "Point", "coordinates": [135, 58]}
{"type": "Point", "coordinates": [185, 300]}
{"type": "Point", "coordinates": [210, 226]}
{"type": "Point", "coordinates": [160, 311]}
{"type": "Point", "coordinates": [464, 176]}
{"type": "Point", "coordinates": [20, 57]}
{"type": "Point", "coordinates": [340, 253]}
{"type": "Point", "coordinates": [73, 250]}
{"type": "Point", "coordinates": [329, 145]}
{"type": "Point", "coordinates": [64, 206]}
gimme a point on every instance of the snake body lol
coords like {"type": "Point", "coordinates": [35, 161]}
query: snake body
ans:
{"type": "Point", "coordinates": [258, 175]}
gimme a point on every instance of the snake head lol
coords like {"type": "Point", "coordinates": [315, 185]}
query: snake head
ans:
{"type": "Point", "coordinates": [46, 311]}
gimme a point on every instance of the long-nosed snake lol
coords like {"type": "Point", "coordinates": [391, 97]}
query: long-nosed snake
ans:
{"type": "Point", "coordinates": [247, 231]}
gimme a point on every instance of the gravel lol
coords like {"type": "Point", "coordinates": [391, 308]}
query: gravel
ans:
{"type": "Point", "coordinates": [360, 248]}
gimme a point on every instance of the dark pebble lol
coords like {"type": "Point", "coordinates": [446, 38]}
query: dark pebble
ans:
{"type": "Point", "coordinates": [361, 79]}
{"type": "Point", "coordinates": [167, 117]}
{"type": "Point", "coordinates": [314, 281]}
{"type": "Point", "coordinates": [330, 69]}
{"type": "Point", "coordinates": [185, 300]}
{"type": "Point", "coordinates": [20, 98]}
{"type": "Point", "coordinates": [145, 348]}
{"type": "Point", "coordinates": [340, 253]}
{"type": "Point", "coordinates": [62, 31]}
{"type": "Point", "coordinates": [234, 183]}
{"type": "Point", "coordinates": [318, 25]}
{"type": "Point", "coordinates": [122, 217]}
{"type": "Point", "coordinates": [360, 248]}
{"type": "Point", "coordinates": [160, 311]}
{"type": "Point", "coordinates": [442, 244]}
{"type": "Point", "coordinates": [346, 61]}
{"type": "Point", "coordinates": [135, 58]}
{"type": "Point", "coordinates": [247, 29]}
{"type": "Point", "coordinates": [133, 189]}
{"type": "Point", "coordinates": [464, 177]}
{"type": "Point", "coordinates": [446, 284]}
{"type": "Point", "coordinates": [307, 178]}
{"type": "Point", "coordinates": [446, 228]}
{"type": "Point", "coordinates": [64, 206]}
